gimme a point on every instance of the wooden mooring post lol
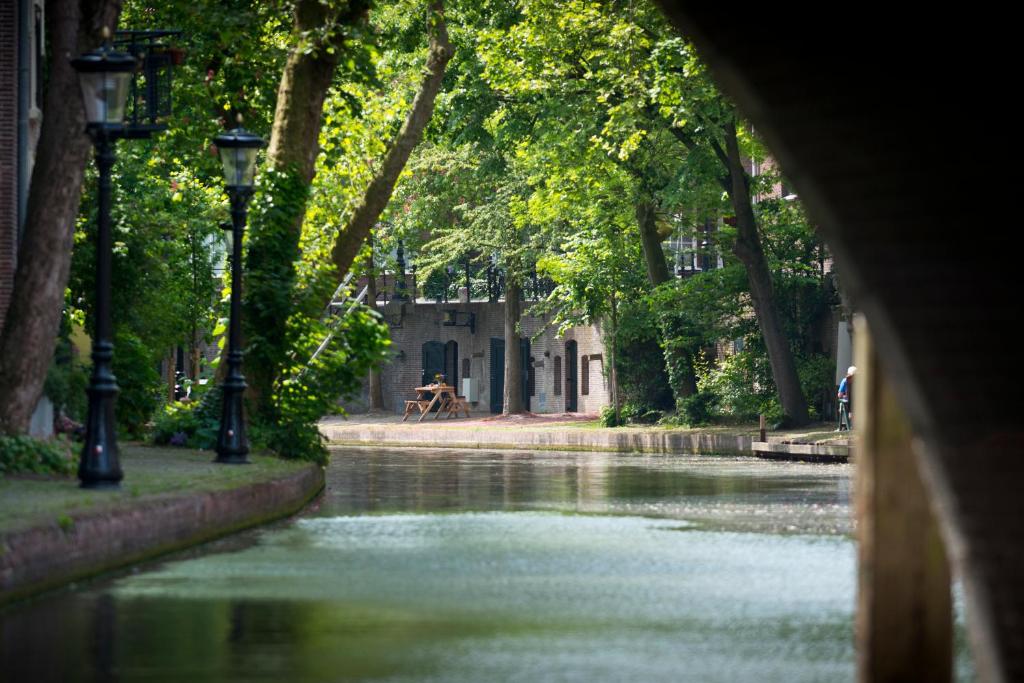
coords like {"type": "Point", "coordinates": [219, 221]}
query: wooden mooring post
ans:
{"type": "Point", "coordinates": [904, 626]}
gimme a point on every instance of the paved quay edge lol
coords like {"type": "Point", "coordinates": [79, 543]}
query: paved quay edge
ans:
{"type": "Point", "coordinates": [48, 556]}
{"type": "Point", "coordinates": [579, 440]}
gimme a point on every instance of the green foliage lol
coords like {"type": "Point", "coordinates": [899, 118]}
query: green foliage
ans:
{"type": "Point", "coordinates": [168, 198]}
{"type": "Point", "coordinates": [816, 374]}
{"type": "Point", "coordinates": [235, 52]}
{"type": "Point", "coordinates": [166, 244]}
{"type": "Point", "coordinates": [67, 377]}
{"type": "Point", "coordinates": [140, 384]}
{"type": "Point", "coordinates": [742, 382]}
{"type": "Point", "coordinates": [191, 424]}
{"type": "Point", "coordinates": [290, 280]}
{"type": "Point", "coordinates": [464, 200]}
{"type": "Point", "coordinates": [175, 424]}
{"type": "Point", "coordinates": [700, 409]}
{"type": "Point", "coordinates": [607, 418]}
{"type": "Point", "coordinates": [28, 455]}
{"type": "Point", "coordinates": [637, 413]}
{"type": "Point", "coordinates": [269, 294]}
{"type": "Point", "coordinates": [65, 387]}
{"type": "Point", "coordinates": [640, 362]}
{"type": "Point", "coordinates": [629, 413]}
{"type": "Point", "coordinates": [558, 119]}
{"type": "Point", "coordinates": [309, 390]}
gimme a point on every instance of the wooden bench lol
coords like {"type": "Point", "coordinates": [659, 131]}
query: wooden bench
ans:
{"type": "Point", "coordinates": [419, 405]}
{"type": "Point", "coordinates": [455, 404]}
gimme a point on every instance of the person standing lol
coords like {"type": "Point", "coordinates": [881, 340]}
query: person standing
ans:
{"type": "Point", "coordinates": [845, 396]}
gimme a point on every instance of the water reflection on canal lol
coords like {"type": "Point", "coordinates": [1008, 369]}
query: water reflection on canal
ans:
{"type": "Point", "coordinates": [472, 566]}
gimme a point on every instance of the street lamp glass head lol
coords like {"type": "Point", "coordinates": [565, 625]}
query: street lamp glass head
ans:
{"type": "Point", "coordinates": [238, 149]}
{"type": "Point", "coordinates": [239, 166]}
{"type": "Point", "coordinates": [104, 75]}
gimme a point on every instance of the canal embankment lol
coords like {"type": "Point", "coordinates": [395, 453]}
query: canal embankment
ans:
{"type": "Point", "coordinates": [583, 433]}
{"type": "Point", "coordinates": [52, 532]}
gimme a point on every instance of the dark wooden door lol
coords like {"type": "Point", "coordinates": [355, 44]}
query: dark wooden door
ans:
{"type": "Point", "coordinates": [451, 365]}
{"type": "Point", "coordinates": [497, 374]}
{"type": "Point", "coordinates": [571, 405]}
{"type": "Point", "coordinates": [433, 361]}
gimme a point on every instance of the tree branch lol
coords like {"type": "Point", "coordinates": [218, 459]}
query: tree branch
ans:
{"type": "Point", "coordinates": [378, 193]}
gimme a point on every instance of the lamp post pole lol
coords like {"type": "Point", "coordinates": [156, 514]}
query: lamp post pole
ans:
{"type": "Point", "coordinates": [232, 443]}
{"type": "Point", "coordinates": [104, 75]}
{"type": "Point", "coordinates": [99, 465]}
{"type": "Point", "coordinates": [238, 149]}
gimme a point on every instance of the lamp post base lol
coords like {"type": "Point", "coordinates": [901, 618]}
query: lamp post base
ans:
{"type": "Point", "coordinates": [99, 466]}
{"type": "Point", "coordinates": [232, 459]}
{"type": "Point", "coordinates": [100, 485]}
{"type": "Point", "coordinates": [232, 443]}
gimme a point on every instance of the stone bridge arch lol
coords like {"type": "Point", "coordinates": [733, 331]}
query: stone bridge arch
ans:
{"type": "Point", "coordinates": [897, 133]}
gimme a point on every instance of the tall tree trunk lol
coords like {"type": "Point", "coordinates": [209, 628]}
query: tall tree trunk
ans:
{"type": "Point", "coordinates": [195, 355]}
{"type": "Point", "coordinates": [378, 193]}
{"type": "Point", "coordinates": [654, 255]}
{"type": "Point", "coordinates": [29, 332]}
{"type": "Point", "coordinates": [298, 115]}
{"type": "Point", "coordinates": [513, 399]}
{"type": "Point", "coordinates": [169, 376]}
{"type": "Point", "coordinates": [273, 241]}
{"type": "Point", "coordinates": [678, 360]}
{"type": "Point", "coordinates": [749, 251]}
{"type": "Point", "coordinates": [373, 383]}
{"type": "Point", "coordinates": [612, 358]}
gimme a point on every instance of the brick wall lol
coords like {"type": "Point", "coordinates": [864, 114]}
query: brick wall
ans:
{"type": "Point", "coordinates": [8, 149]}
{"type": "Point", "coordinates": [414, 324]}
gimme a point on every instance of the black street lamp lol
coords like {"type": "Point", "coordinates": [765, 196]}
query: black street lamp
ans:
{"type": "Point", "coordinates": [105, 76]}
{"type": "Point", "coordinates": [238, 149]}
{"type": "Point", "coordinates": [400, 286]}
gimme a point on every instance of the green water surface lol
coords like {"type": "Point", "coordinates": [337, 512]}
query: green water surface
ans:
{"type": "Point", "coordinates": [471, 566]}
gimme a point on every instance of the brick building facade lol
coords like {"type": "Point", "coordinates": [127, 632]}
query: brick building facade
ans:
{"type": "Point", "coordinates": [22, 52]}
{"type": "Point", "coordinates": [8, 150]}
{"type": "Point", "coordinates": [21, 67]}
{"type": "Point", "coordinates": [564, 374]}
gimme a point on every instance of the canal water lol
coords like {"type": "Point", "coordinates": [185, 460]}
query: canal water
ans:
{"type": "Point", "coordinates": [470, 566]}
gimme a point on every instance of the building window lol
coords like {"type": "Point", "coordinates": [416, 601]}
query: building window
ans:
{"type": "Point", "coordinates": [585, 375]}
{"type": "Point", "coordinates": [558, 375]}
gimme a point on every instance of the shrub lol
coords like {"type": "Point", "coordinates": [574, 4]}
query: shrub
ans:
{"type": "Point", "coordinates": [24, 454]}
{"type": "Point", "coordinates": [311, 390]}
{"type": "Point", "coordinates": [66, 381]}
{"type": "Point", "coordinates": [639, 413]}
{"type": "Point", "coordinates": [817, 374]}
{"type": "Point", "coordinates": [629, 413]}
{"type": "Point", "coordinates": [193, 424]}
{"type": "Point", "coordinates": [699, 409]}
{"type": "Point", "coordinates": [736, 383]}
{"type": "Point", "coordinates": [639, 360]}
{"type": "Point", "coordinates": [139, 384]}
{"type": "Point", "coordinates": [67, 377]}
{"type": "Point", "coordinates": [608, 419]}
